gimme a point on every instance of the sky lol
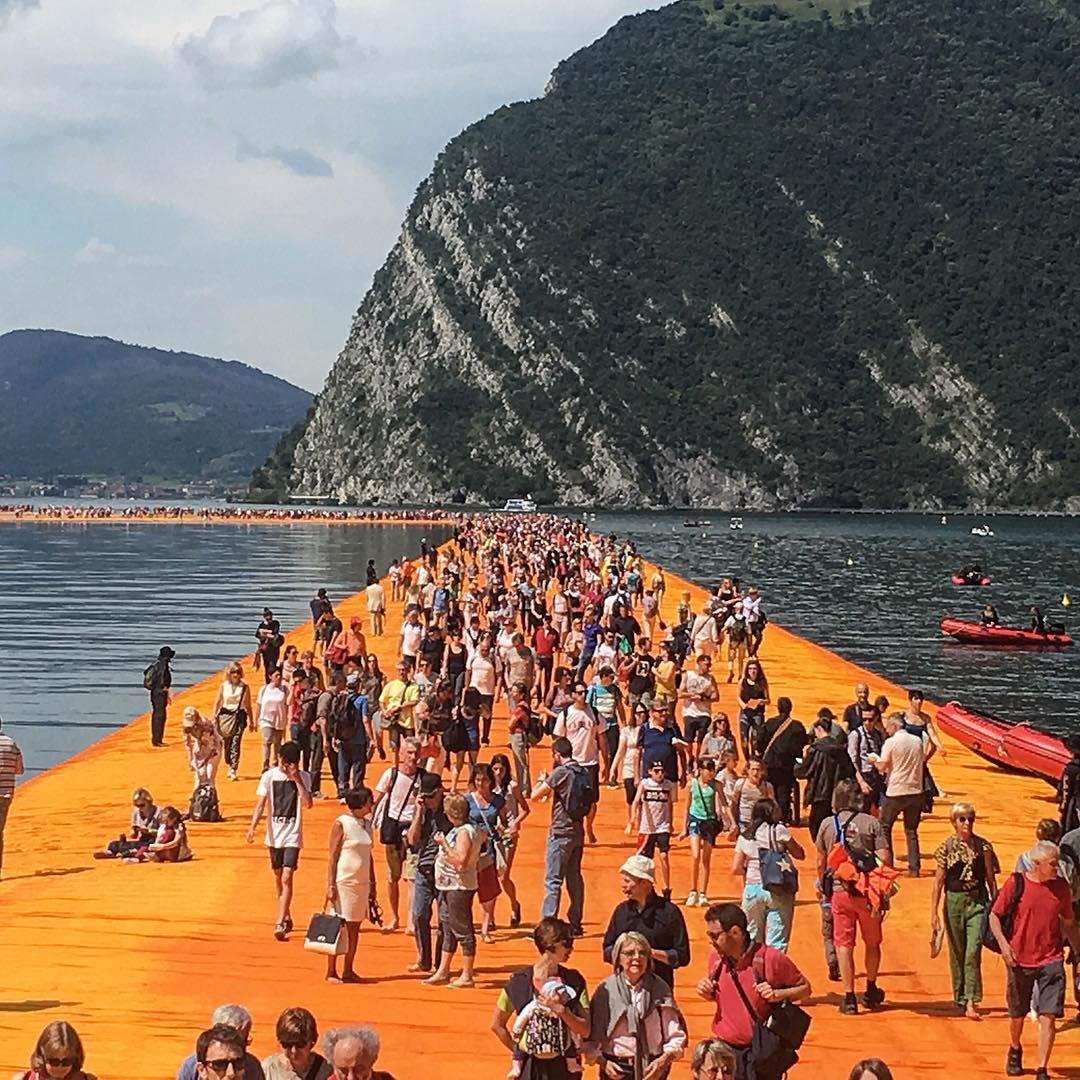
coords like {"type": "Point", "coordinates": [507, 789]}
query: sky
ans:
{"type": "Point", "coordinates": [225, 178]}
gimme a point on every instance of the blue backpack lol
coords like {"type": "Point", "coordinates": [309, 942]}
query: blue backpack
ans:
{"type": "Point", "coordinates": [778, 873]}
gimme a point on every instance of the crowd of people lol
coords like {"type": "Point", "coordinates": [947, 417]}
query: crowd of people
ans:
{"type": "Point", "coordinates": [605, 700]}
{"type": "Point", "coordinates": [142, 512]}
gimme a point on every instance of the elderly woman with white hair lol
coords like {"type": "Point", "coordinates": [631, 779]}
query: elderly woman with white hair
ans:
{"type": "Point", "coordinates": [638, 1031]}
{"type": "Point", "coordinates": [967, 870]}
{"type": "Point", "coordinates": [353, 1052]}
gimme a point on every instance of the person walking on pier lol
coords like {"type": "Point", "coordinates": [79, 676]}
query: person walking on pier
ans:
{"type": "Point", "coordinates": [157, 678]}
{"type": "Point", "coordinates": [284, 792]}
{"type": "Point", "coordinates": [375, 595]}
{"type": "Point", "coordinates": [1031, 919]}
{"type": "Point", "coordinates": [11, 765]}
{"type": "Point", "coordinates": [902, 760]}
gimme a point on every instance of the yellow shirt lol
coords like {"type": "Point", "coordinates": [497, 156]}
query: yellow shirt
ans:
{"type": "Point", "coordinates": [401, 696]}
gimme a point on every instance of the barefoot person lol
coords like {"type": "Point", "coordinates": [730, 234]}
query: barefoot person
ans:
{"type": "Point", "coordinates": [284, 792]}
{"type": "Point", "coordinates": [350, 883]}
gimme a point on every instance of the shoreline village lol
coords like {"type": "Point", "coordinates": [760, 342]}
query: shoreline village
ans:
{"type": "Point", "coordinates": [529, 805]}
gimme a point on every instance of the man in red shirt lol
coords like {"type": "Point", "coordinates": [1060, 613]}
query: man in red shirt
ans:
{"type": "Point", "coordinates": [545, 641]}
{"type": "Point", "coordinates": [764, 975]}
{"type": "Point", "coordinates": [1033, 947]}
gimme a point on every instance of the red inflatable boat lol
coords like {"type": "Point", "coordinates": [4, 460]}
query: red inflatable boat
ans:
{"type": "Point", "coordinates": [958, 580]}
{"type": "Point", "coordinates": [1014, 746]}
{"type": "Point", "coordinates": [971, 633]}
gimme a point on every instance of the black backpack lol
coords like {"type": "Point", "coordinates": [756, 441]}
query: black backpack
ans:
{"type": "Point", "coordinates": [204, 804]}
{"type": "Point", "coordinates": [1007, 917]}
{"type": "Point", "coordinates": [580, 796]}
{"type": "Point", "coordinates": [343, 717]}
{"type": "Point", "coordinates": [151, 677]}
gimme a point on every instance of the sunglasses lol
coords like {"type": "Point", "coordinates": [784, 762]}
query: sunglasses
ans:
{"type": "Point", "coordinates": [222, 1065]}
{"type": "Point", "coordinates": [656, 768]}
{"type": "Point", "coordinates": [293, 1045]}
{"type": "Point", "coordinates": [713, 935]}
{"type": "Point", "coordinates": [966, 818]}
{"type": "Point", "coordinates": [60, 1063]}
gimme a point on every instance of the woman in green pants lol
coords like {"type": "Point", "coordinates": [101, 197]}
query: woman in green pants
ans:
{"type": "Point", "coordinates": [966, 874]}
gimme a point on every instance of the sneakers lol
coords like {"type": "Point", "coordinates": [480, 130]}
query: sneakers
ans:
{"type": "Point", "coordinates": [849, 1006]}
{"type": "Point", "coordinates": [692, 900]}
{"type": "Point", "coordinates": [834, 973]}
{"type": "Point", "coordinates": [1014, 1064]}
{"type": "Point", "coordinates": [874, 996]}
{"type": "Point", "coordinates": [1042, 1074]}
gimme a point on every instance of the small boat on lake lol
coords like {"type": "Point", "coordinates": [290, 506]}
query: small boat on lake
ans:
{"type": "Point", "coordinates": [973, 633]}
{"type": "Point", "coordinates": [519, 506]}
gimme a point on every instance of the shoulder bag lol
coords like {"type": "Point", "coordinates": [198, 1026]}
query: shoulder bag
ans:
{"type": "Point", "coordinates": [391, 830]}
{"type": "Point", "coordinates": [1007, 917]}
{"type": "Point", "coordinates": [774, 1045]}
{"type": "Point", "coordinates": [778, 873]}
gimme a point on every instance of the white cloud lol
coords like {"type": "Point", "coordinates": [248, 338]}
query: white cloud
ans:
{"type": "Point", "coordinates": [93, 251]}
{"type": "Point", "coordinates": [266, 46]}
{"type": "Point", "coordinates": [11, 257]}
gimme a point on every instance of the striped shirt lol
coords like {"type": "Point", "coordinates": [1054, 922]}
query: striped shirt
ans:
{"type": "Point", "coordinates": [11, 765]}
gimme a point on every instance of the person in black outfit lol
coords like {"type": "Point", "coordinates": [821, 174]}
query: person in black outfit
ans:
{"type": "Point", "coordinates": [779, 743]}
{"type": "Point", "coordinates": [861, 710]}
{"type": "Point", "coordinates": [429, 820]}
{"type": "Point", "coordinates": [653, 916]}
{"type": "Point", "coordinates": [159, 681]}
{"type": "Point", "coordinates": [268, 635]}
{"type": "Point", "coordinates": [825, 764]}
{"type": "Point", "coordinates": [372, 573]}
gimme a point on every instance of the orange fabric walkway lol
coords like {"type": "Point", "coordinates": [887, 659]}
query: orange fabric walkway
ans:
{"type": "Point", "coordinates": [138, 956]}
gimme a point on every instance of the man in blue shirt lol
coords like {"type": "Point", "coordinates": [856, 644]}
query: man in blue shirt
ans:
{"type": "Point", "coordinates": [591, 631]}
{"type": "Point", "coordinates": [660, 741]}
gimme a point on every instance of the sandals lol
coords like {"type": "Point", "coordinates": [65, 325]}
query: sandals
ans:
{"type": "Point", "coordinates": [281, 931]}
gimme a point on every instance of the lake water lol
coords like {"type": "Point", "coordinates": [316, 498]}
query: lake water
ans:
{"type": "Point", "coordinates": [84, 608]}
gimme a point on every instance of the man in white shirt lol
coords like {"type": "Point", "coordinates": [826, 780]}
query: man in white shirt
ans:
{"type": "Point", "coordinates": [412, 633]}
{"type": "Point", "coordinates": [395, 799]}
{"type": "Point", "coordinates": [703, 635]}
{"type": "Point", "coordinates": [376, 605]}
{"type": "Point", "coordinates": [902, 760]}
{"type": "Point", "coordinates": [581, 724]}
{"type": "Point", "coordinates": [284, 792]}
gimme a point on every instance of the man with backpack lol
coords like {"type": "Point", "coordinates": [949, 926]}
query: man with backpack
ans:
{"type": "Point", "coordinates": [351, 735]}
{"type": "Point", "coordinates": [849, 845]}
{"type": "Point", "coordinates": [581, 726]}
{"type": "Point", "coordinates": [573, 798]}
{"type": "Point", "coordinates": [1031, 919]}
{"type": "Point", "coordinates": [157, 678]}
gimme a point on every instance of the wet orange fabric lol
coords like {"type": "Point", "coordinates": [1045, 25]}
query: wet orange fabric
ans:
{"type": "Point", "coordinates": [138, 956]}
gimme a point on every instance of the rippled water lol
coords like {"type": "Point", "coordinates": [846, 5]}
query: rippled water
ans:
{"type": "Point", "coordinates": [84, 608]}
{"type": "Point", "coordinates": [882, 611]}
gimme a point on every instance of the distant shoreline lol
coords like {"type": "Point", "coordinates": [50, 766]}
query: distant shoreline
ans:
{"type": "Point", "coordinates": [81, 515]}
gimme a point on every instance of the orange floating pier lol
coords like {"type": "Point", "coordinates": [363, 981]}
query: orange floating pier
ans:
{"type": "Point", "coordinates": [137, 957]}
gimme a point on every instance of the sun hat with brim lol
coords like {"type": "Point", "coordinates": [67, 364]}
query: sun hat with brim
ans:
{"type": "Point", "coordinates": [640, 867]}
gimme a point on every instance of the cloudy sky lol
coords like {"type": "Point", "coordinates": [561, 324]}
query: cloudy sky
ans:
{"type": "Point", "coordinates": [225, 177]}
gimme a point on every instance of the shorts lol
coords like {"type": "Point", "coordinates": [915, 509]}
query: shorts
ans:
{"type": "Point", "coordinates": [696, 727]}
{"type": "Point", "coordinates": [395, 861]}
{"type": "Point", "coordinates": [284, 858]}
{"type": "Point", "coordinates": [849, 912]}
{"type": "Point", "coordinates": [650, 843]}
{"type": "Point", "coordinates": [593, 772]}
{"type": "Point", "coordinates": [693, 828]}
{"type": "Point", "coordinates": [1047, 983]}
{"type": "Point", "coordinates": [630, 787]}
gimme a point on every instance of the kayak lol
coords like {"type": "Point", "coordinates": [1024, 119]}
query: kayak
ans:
{"type": "Point", "coordinates": [971, 633]}
{"type": "Point", "coordinates": [958, 580]}
{"type": "Point", "coordinates": [1013, 746]}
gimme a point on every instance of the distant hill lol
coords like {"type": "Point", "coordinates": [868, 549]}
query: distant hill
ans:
{"type": "Point", "coordinates": [741, 253]}
{"type": "Point", "coordinates": [91, 405]}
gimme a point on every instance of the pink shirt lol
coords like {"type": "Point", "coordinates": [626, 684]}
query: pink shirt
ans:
{"type": "Point", "coordinates": [732, 1022]}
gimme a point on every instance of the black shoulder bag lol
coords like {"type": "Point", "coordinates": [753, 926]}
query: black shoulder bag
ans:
{"type": "Point", "coordinates": [775, 1042]}
{"type": "Point", "coordinates": [1007, 917]}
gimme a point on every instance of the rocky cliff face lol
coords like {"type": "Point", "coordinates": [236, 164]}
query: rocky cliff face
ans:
{"type": "Point", "coordinates": [750, 255]}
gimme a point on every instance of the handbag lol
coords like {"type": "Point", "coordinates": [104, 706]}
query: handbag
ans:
{"type": "Point", "coordinates": [778, 873]}
{"type": "Point", "coordinates": [230, 721]}
{"type": "Point", "coordinates": [487, 883]}
{"type": "Point", "coordinates": [326, 934]}
{"type": "Point", "coordinates": [336, 655]}
{"type": "Point", "coordinates": [769, 1050]}
{"type": "Point", "coordinates": [1007, 917]}
{"type": "Point", "coordinates": [455, 738]}
{"type": "Point", "coordinates": [708, 828]}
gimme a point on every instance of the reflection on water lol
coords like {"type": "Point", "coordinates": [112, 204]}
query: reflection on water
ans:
{"type": "Point", "coordinates": [874, 588]}
{"type": "Point", "coordinates": [84, 608]}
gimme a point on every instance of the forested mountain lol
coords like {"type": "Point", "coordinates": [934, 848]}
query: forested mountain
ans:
{"type": "Point", "coordinates": [757, 254]}
{"type": "Point", "coordinates": [82, 405]}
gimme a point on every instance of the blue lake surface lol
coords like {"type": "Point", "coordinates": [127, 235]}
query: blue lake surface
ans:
{"type": "Point", "coordinates": [84, 608]}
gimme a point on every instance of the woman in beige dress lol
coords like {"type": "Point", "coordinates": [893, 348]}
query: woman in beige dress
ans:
{"type": "Point", "coordinates": [350, 884]}
{"type": "Point", "coordinates": [232, 715]}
